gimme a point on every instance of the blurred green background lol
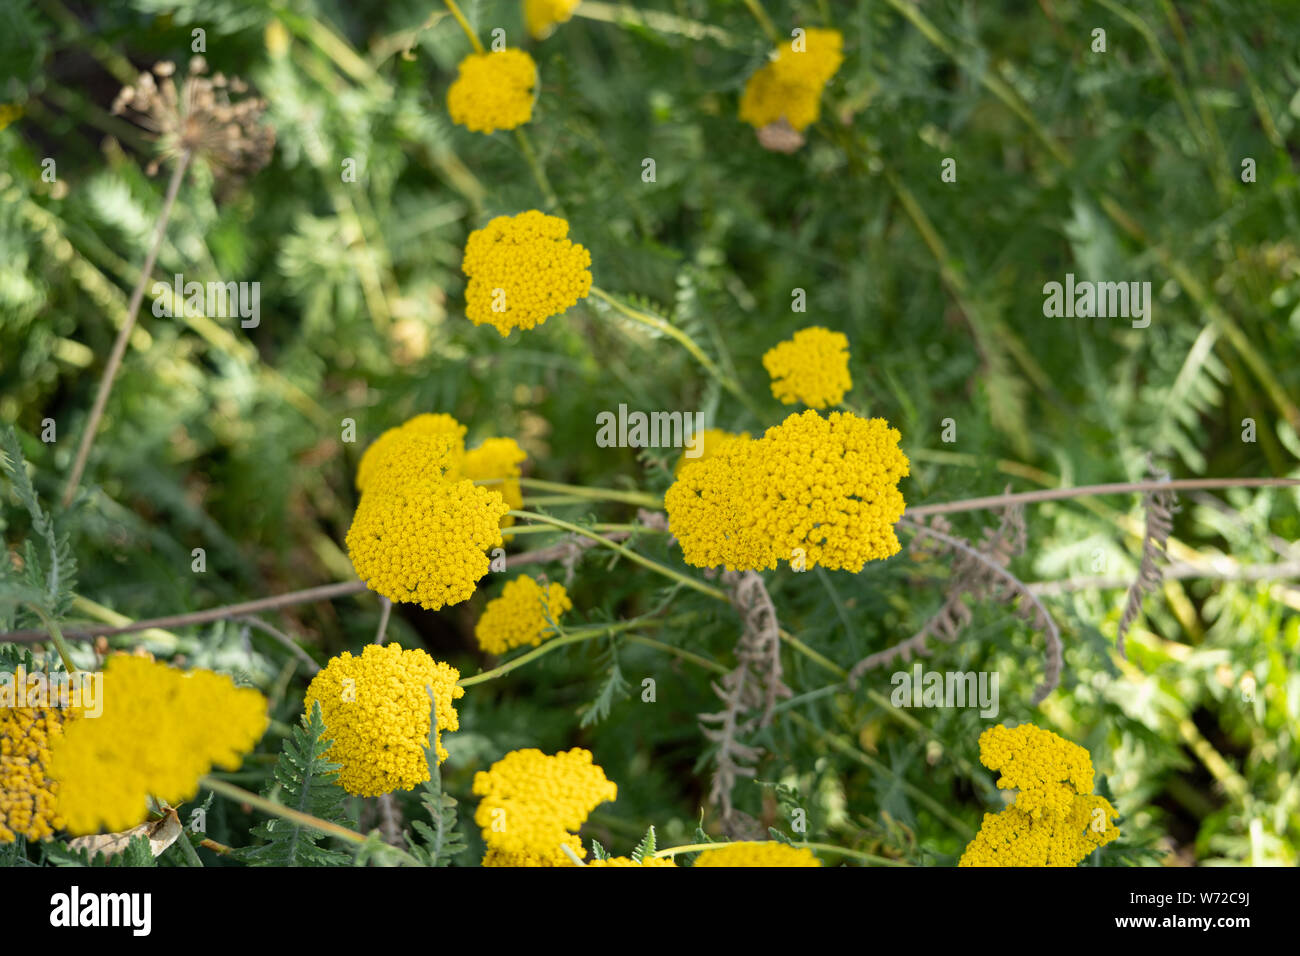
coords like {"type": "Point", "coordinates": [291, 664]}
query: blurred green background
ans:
{"type": "Point", "coordinates": [1124, 165]}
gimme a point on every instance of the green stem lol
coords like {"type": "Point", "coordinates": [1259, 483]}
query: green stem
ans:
{"type": "Point", "coordinates": [454, 9]}
{"type": "Point", "coordinates": [56, 636]}
{"type": "Point", "coordinates": [539, 171]}
{"type": "Point", "coordinates": [595, 494]}
{"type": "Point", "coordinates": [688, 343]}
{"type": "Point", "coordinates": [239, 794]}
{"type": "Point", "coordinates": [764, 21]}
{"type": "Point", "coordinates": [572, 637]}
{"type": "Point", "coordinates": [626, 552]}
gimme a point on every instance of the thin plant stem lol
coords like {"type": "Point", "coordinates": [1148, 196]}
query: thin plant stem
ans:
{"type": "Point", "coordinates": [124, 333]}
{"type": "Point", "coordinates": [764, 21]}
{"type": "Point", "coordinates": [538, 170]}
{"type": "Point", "coordinates": [595, 494]}
{"type": "Point", "coordinates": [385, 611]}
{"type": "Point", "coordinates": [688, 343]}
{"type": "Point", "coordinates": [56, 636]}
{"type": "Point", "coordinates": [626, 552]}
{"type": "Point", "coordinates": [454, 8]}
{"type": "Point", "coordinates": [240, 795]}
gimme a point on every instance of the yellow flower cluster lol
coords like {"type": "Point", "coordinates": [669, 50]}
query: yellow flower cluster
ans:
{"type": "Point", "coordinates": [522, 270]}
{"type": "Point", "coordinates": [395, 443]}
{"type": "Point", "coordinates": [161, 730]}
{"type": "Point", "coordinates": [421, 530]}
{"type": "Point", "coordinates": [758, 854]}
{"type": "Point", "coordinates": [28, 795]}
{"type": "Point", "coordinates": [813, 491]}
{"type": "Point", "coordinates": [790, 86]}
{"type": "Point", "coordinates": [533, 804]}
{"type": "Point", "coordinates": [812, 367]}
{"type": "Point", "coordinates": [497, 460]}
{"type": "Point", "coordinates": [713, 440]}
{"type": "Point", "coordinates": [521, 615]}
{"type": "Point", "coordinates": [493, 91]}
{"type": "Point", "coordinates": [377, 713]}
{"type": "Point", "coordinates": [628, 861]}
{"type": "Point", "coordinates": [1056, 820]}
{"type": "Point", "coordinates": [541, 16]}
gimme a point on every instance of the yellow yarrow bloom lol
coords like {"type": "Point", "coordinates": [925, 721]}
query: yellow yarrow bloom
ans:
{"type": "Point", "coordinates": [396, 442]}
{"type": "Point", "coordinates": [493, 91]}
{"type": "Point", "coordinates": [377, 714]}
{"type": "Point", "coordinates": [1056, 820]}
{"type": "Point", "coordinates": [534, 803]}
{"type": "Point", "coordinates": [541, 16]}
{"type": "Point", "coordinates": [758, 854]}
{"type": "Point", "coordinates": [427, 545]}
{"type": "Point", "coordinates": [522, 615]}
{"type": "Point", "coordinates": [713, 440]}
{"type": "Point", "coordinates": [813, 491]}
{"type": "Point", "coordinates": [161, 730]}
{"type": "Point", "coordinates": [28, 794]}
{"type": "Point", "coordinates": [496, 461]}
{"type": "Point", "coordinates": [522, 270]}
{"type": "Point", "coordinates": [812, 367]}
{"type": "Point", "coordinates": [790, 86]}
{"type": "Point", "coordinates": [628, 861]}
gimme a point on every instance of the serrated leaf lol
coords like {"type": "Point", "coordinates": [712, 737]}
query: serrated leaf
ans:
{"type": "Point", "coordinates": [646, 847]}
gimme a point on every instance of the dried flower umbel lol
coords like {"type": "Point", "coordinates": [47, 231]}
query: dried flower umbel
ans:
{"type": "Point", "coordinates": [199, 118]}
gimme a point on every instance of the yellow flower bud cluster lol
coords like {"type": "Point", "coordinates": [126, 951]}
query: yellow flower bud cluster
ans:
{"type": "Point", "coordinates": [1056, 820]}
{"type": "Point", "coordinates": [522, 615]}
{"type": "Point", "coordinates": [813, 491]}
{"type": "Point", "coordinates": [628, 861]}
{"type": "Point", "coordinates": [377, 713]}
{"type": "Point", "coordinates": [758, 854]}
{"type": "Point", "coordinates": [421, 531]}
{"type": "Point", "coordinates": [522, 270]}
{"type": "Point", "coordinates": [541, 16]}
{"type": "Point", "coordinates": [790, 86]}
{"type": "Point", "coordinates": [812, 367]}
{"type": "Point", "coordinates": [28, 794]}
{"type": "Point", "coordinates": [160, 731]}
{"type": "Point", "coordinates": [533, 804]}
{"type": "Point", "coordinates": [493, 91]}
{"type": "Point", "coordinates": [497, 461]}
{"type": "Point", "coordinates": [712, 441]}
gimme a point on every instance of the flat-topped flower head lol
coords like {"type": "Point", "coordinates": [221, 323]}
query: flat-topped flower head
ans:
{"type": "Point", "coordinates": [161, 730]}
{"type": "Point", "coordinates": [394, 443]}
{"type": "Point", "coordinates": [521, 615]}
{"type": "Point", "coordinates": [758, 854]}
{"type": "Point", "coordinates": [377, 709]}
{"type": "Point", "coordinates": [813, 491]}
{"type": "Point", "coordinates": [1056, 820]}
{"type": "Point", "coordinates": [789, 87]}
{"type": "Point", "coordinates": [542, 16]}
{"type": "Point", "coordinates": [522, 270]}
{"type": "Point", "coordinates": [534, 803]}
{"type": "Point", "coordinates": [812, 367]}
{"type": "Point", "coordinates": [493, 91]}
{"type": "Point", "coordinates": [28, 794]}
{"type": "Point", "coordinates": [426, 546]}
{"type": "Point", "coordinates": [410, 460]}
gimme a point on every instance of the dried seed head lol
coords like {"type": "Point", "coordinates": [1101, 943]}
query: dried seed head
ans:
{"type": "Point", "coordinates": [200, 118]}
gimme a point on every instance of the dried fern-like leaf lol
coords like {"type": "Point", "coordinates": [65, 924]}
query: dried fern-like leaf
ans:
{"type": "Point", "coordinates": [754, 685]}
{"type": "Point", "coordinates": [979, 573]}
{"type": "Point", "coordinates": [1160, 506]}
